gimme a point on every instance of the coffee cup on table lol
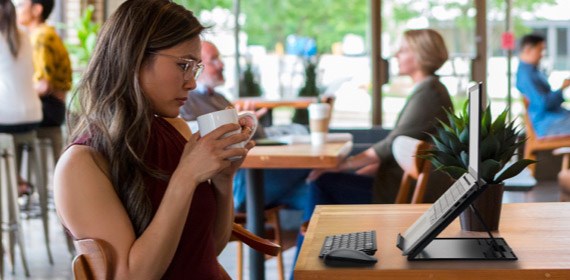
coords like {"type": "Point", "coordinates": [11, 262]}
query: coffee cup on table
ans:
{"type": "Point", "coordinates": [319, 114]}
{"type": "Point", "coordinates": [209, 122]}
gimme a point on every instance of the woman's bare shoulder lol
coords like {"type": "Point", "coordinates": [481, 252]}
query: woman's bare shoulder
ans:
{"type": "Point", "coordinates": [83, 159]}
{"type": "Point", "coordinates": [84, 194]}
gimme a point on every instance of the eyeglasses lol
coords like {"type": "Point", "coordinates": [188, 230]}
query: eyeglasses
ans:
{"type": "Point", "coordinates": [194, 66]}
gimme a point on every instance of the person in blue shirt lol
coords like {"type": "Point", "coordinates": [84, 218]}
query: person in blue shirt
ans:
{"type": "Point", "coordinates": [545, 109]}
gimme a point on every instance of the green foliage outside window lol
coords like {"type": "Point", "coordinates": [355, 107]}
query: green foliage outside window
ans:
{"type": "Point", "coordinates": [82, 50]}
{"type": "Point", "coordinates": [270, 21]}
{"type": "Point", "coordinates": [87, 36]}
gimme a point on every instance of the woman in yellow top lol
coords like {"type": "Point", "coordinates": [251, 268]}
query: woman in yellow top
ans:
{"type": "Point", "coordinates": [52, 68]}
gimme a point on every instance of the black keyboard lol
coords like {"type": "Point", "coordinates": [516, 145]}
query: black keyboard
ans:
{"type": "Point", "coordinates": [364, 241]}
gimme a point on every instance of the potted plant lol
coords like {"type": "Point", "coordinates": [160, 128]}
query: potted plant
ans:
{"type": "Point", "coordinates": [499, 142]}
{"type": "Point", "coordinates": [249, 87]}
{"type": "Point", "coordinates": [310, 89]}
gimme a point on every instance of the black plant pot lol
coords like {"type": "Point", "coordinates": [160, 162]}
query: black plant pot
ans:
{"type": "Point", "coordinates": [488, 204]}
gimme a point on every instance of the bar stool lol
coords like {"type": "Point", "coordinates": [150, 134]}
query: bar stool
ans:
{"type": "Point", "coordinates": [10, 211]}
{"type": "Point", "coordinates": [43, 155]}
{"type": "Point", "coordinates": [37, 159]}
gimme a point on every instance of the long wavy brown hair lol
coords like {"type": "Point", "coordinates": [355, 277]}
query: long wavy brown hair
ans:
{"type": "Point", "coordinates": [114, 113]}
{"type": "Point", "coordinates": [8, 26]}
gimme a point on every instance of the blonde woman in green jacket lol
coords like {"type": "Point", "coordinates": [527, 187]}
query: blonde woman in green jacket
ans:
{"type": "Point", "coordinates": [373, 176]}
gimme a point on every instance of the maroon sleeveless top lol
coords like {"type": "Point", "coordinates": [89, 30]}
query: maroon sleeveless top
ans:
{"type": "Point", "coordinates": [195, 257]}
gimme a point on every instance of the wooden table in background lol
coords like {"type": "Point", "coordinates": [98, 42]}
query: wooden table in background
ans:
{"type": "Point", "coordinates": [267, 119]}
{"type": "Point", "coordinates": [538, 233]}
{"type": "Point", "coordinates": [297, 103]}
{"type": "Point", "coordinates": [281, 157]}
{"type": "Point", "coordinates": [297, 156]}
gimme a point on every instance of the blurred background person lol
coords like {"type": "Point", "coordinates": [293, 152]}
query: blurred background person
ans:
{"type": "Point", "coordinates": [52, 68]}
{"type": "Point", "coordinates": [545, 105]}
{"type": "Point", "coordinates": [20, 106]}
{"type": "Point", "coordinates": [377, 175]}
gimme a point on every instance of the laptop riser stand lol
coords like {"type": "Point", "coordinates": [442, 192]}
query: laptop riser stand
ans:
{"type": "Point", "coordinates": [464, 248]}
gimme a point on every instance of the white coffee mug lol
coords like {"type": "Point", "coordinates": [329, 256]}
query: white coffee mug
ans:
{"type": "Point", "coordinates": [209, 122]}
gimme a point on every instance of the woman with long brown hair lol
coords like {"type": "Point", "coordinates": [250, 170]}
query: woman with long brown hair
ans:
{"type": "Point", "coordinates": [162, 202]}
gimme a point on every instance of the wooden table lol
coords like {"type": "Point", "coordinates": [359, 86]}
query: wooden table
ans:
{"type": "Point", "coordinates": [538, 233]}
{"type": "Point", "coordinates": [267, 119]}
{"type": "Point", "coordinates": [297, 103]}
{"type": "Point", "coordinates": [287, 157]}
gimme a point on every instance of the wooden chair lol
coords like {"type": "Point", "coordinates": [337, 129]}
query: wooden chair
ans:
{"type": "Point", "coordinates": [535, 144]}
{"type": "Point", "coordinates": [274, 234]}
{"type": "Point", "coordinates": [92, 262]}
{"type": "Point", "coordinates": [405, 150]}
{"type": "Point", "coordinates": [564, 175]}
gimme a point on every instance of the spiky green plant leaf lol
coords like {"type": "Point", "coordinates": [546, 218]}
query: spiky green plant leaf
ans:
{"type": "Point", "coordinates": [514, 169]}
{"type": "Point", "coordinates": [445, 126]}
{"type": "Point", "coordinates": [486, 122]}
{"type": "Point", "coordinates": [441, 146]}
{"type": "Point", "coordinates": [464, 136]}
{"type": "Point", "coordinates": [446, 159]}
{"type": "Point", "coordinates": [464, 159]}
{"type": "Point", "coordinates": [453, 171]}
{"type": "Point", "coordinates": [489, 146]}
{"type": "Point", "coordinates": [489, 168]}
{"type": "Point", "coordinates": [499, 123]}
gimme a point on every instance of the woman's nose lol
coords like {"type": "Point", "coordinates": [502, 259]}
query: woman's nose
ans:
{"type": "Point", "coordinates": [190, 84]}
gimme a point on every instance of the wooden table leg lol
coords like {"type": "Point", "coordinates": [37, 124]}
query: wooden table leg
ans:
{"type": "Point", "coordinates": [254, 210]}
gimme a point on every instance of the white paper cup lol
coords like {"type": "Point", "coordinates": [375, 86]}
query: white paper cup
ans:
{"type": "Point", "coordinates": [209, 122]}
{"type": "Point", "coordinates": [319, 122]}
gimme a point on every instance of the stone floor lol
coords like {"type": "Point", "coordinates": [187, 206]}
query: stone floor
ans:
{"type": "Point", "coordinates": [41, 269]}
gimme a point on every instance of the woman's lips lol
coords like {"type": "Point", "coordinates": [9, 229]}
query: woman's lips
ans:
{"type": "Point", "coordinates": [182, 100]}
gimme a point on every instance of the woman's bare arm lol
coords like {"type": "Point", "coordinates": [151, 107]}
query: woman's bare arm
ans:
{"type": "Point", "coordinates": [89, 207]}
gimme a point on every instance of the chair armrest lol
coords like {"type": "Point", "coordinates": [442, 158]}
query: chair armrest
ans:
{"type": "Point", "coordinates": [91, 261]}
{"type": "Point", "coordinates": [565, 152]}
{"type": "Point", "coordinates": [257, 243]}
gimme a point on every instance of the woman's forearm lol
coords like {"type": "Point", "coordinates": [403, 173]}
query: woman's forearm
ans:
{"type": "Point", "coordinates": [360, 160]}
{"type": "Point", "coordinates": [151, 253]}
{"type": "Point", "coordinates": [224, 213]}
